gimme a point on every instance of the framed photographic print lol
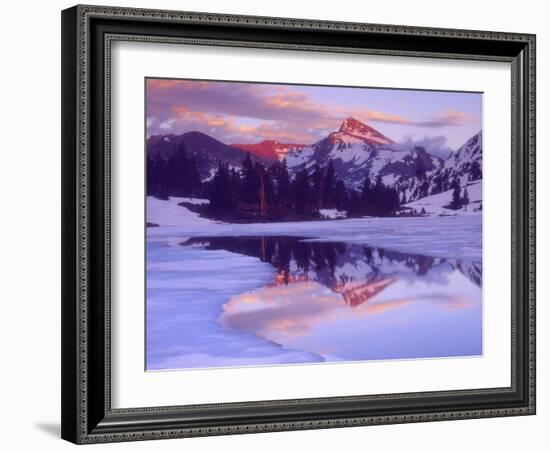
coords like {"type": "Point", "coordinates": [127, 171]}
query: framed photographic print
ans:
{"type": "Point", "coordinates": [280, 224]}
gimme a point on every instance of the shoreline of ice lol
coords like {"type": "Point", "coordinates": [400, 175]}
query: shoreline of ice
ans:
{"type": "Point", "coordinates": [454, 236]}
{"type": "Point", "coordinates": [192, 336]}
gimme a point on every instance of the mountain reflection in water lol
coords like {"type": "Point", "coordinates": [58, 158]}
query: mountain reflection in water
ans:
{"type": "Point", "coordinates": [354, 302]}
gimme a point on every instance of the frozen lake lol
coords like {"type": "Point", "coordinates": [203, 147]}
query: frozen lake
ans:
{"type": "Point", "coordinates": [223, 295]}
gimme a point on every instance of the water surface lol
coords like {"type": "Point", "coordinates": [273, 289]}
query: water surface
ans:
{"type": "Point", "coordinates": [256, 300]}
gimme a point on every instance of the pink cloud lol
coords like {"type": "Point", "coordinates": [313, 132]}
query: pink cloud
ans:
{"type": "Point", "coordinates": [379, 116]}
{"type": "Point", "coordinates": [449, 118]}
{"type": "Point", "coordinates": [249, 112]}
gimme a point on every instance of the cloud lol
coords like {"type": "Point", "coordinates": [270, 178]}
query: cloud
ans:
{"type": "Point", "coordinates": [235, 112]}
{"type": "Point", "coordinates": [435, 145]}
{"type": "Point", "coordinates": [227, 128]}
{"type": "Point", "coordinates": [285, 312]}
{"type": "Point", "coordinates": [257, 101]}
{"type": "Point", "coordinates": [449, 118]}
{"type": "Point", "coordinates": [167, 124]}
{"type": "Point", "coordinates": [379, 116]}
{"type": "Point", "coordinates": [238, 112]}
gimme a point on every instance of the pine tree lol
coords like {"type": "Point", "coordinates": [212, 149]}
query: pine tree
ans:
{"type": "Point", "coordinates": [261, 176]}
{"type": "Point", "coordinates": [195, 184]}
{"type": "Point", "coordinates": [465, 196]}
{"type": "Point", "coordinates": [366, 193]}
{"type": "Point", "coordinates": [155, 175]}
{"type": "Point", "coordinates": [424, 187]}
{"type": "Point", "coordinates": [180, 180]}
{"type": "Point", "coordinates": [170, 176]}
{"type": "Point", "coordinates": [269, 187]}
{"type": "Point", "coordinates": [236, 183]}
{"type": "Point", "coordinates": [455, 202]}
{"type": "Point", "coordinates": [340, 195]}
{"type": "Point", "coordinates": [317, 188]}
{"type": "Point", "coordinates": [329, 185]}
{"type": "Point", "coordinates": [354, 206]}
{"type": "Point", "coordinates": [301, 192]}
{"type": "Point", "coordinates": [377, 197]}
{"type": "Point", "coordinates": [251, 183]}
{"type": "Point", "coordinates": [437, 185]}
{"type": "Point", "coordinates": [445, 181]}
{"type": "Point", "coordinates": [393, 200]}
{"type": "Point", "coordinates": [475, 172]}
{"type": "Point", "coordinates": [282, 184]}
{"type": "Point", "coordinates": [221, 195]}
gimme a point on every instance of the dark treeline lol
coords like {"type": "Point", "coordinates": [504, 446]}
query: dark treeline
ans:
{"type": "Point", "coordinates": [377, 199]}
{"type": "Point", "coordinates": [271, 193]}
{"type": "Point", "coordinates": [177, 176]}
{"type": "Point", "coordinates": [458, 199]}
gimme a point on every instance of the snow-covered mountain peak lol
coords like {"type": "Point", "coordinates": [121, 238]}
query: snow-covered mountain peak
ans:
{"type": "Point", "coordinates": [464, 165]}
{"type": "Point", "coordinates": [470, 150]}
{"type": "Point", "coordinates": [467, 159]}
{"type": "Point", "coordinates": [353, 127]}
{"type": "Point", "coordinates": [358, 150]}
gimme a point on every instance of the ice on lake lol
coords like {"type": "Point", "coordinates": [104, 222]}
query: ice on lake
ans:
{"type": "Point", "coordinates": [223, 295]}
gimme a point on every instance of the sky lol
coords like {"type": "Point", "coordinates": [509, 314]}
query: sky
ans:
{"type": "Point", "coordinates": [240, 112]}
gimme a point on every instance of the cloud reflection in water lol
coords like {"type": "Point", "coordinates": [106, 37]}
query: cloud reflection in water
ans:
{"type": "Point", "coordinates": [353, 302]}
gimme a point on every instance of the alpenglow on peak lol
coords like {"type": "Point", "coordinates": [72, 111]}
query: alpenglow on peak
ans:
{"type": "Point", "coordinates": [360, 130]}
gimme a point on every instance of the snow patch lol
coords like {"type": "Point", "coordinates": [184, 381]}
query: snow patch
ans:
{"type": "Point", "coordinates": [184, 305]}
{"type": "Point", "coordinates": [297, 157]}
{"type": "Point", "coordinates": [458, 236]}
{"type": "Point", "coordinates": [434, 204]}
{"type": "Point", "coordinates": [332, 214]}
{"type": "Point", "coordinates": [169, 213]}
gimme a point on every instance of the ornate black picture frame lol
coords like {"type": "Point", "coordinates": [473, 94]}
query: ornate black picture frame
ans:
{"type": "Point", "coordinates": [87, 34]}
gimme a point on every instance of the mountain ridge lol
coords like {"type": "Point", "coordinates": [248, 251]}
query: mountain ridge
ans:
{"type": "Point", "coordinates": [207, 150]}
{"type": "Point", "coordinates": [356, 150]}
{"type": "Point", "coordinates": [269, 149]}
